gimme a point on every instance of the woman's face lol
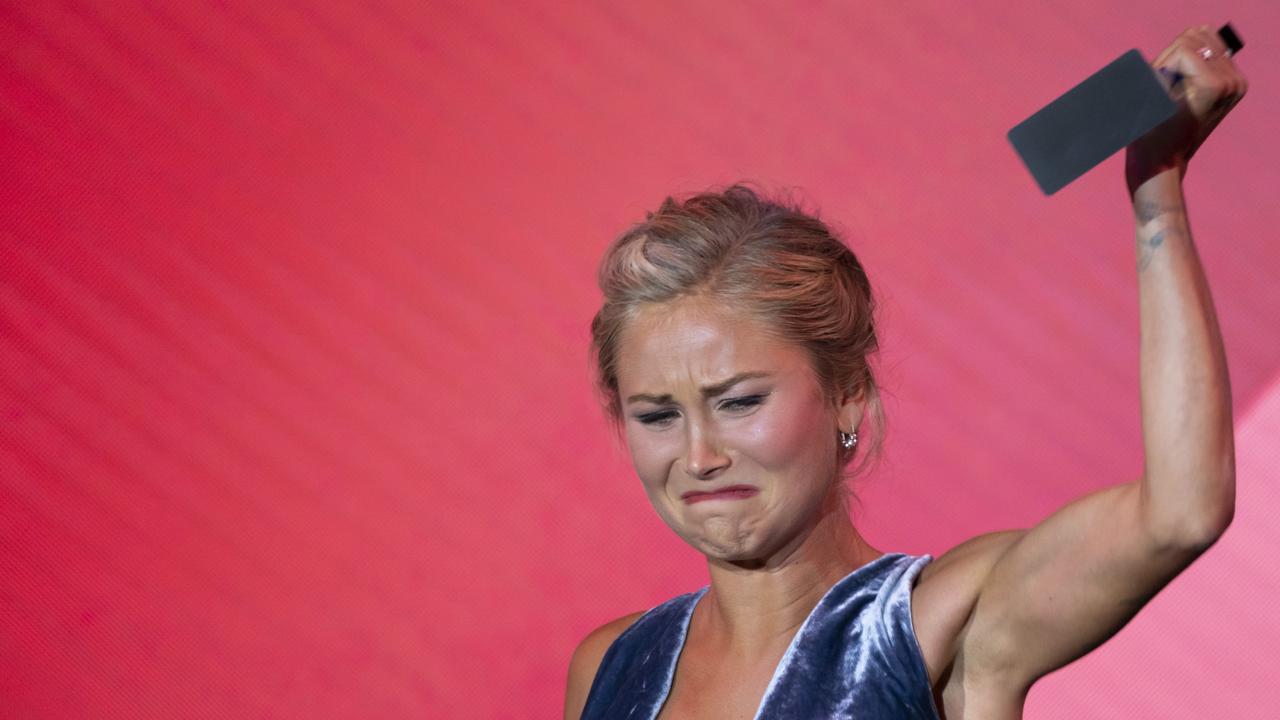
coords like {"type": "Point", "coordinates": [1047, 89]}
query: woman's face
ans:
{"type": "Point", "coordinates": [712, 402]}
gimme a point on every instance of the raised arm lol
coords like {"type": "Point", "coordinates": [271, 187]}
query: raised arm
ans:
{"type": "Point", "coordinates": [1188, 481]}
{"type": "Point", "coordinates": [1072, 581]}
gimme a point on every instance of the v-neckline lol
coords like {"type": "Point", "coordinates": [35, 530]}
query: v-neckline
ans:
{"type": "Point", "coordinates": [786, 656]}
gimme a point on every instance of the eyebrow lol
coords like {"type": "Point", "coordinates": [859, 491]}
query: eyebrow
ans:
{"type": "Point", "coordinates": [708, 391]}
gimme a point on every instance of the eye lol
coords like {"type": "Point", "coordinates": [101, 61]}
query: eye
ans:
{"type": "Point", "coordinates": [658, 419]}
{"type": "Point", "coordinates": [743, 403]}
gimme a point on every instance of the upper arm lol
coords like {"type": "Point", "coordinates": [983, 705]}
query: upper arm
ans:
{"type": "Point", "coordinates": [586, 660]}
{"type": "Point", "coordinates": [1067, 585]}
{"type": "Point", "coordinates": [942, 602]}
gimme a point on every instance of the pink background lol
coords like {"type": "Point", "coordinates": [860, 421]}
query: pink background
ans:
{"type": "Point", "coordinates": [295, 413]}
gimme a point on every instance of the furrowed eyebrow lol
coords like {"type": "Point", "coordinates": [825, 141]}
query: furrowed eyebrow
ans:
{"type": "Point", "coordinates": [708, 391]}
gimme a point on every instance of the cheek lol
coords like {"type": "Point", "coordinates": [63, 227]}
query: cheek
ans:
{"type": "Point", "coordinates": [780, 439]}
{"type": "Point", "coordinates": [650, 455]}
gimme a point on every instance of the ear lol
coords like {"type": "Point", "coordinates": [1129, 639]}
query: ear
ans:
{"type": "Point", "coordinates": [849, 413]}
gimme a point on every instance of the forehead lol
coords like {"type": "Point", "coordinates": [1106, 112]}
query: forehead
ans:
{"type": "Point", "coordinates": [697, 341]}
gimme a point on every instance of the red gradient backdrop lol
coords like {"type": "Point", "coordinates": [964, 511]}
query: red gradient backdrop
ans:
{"type": "Point", "coordinates": [295, 414]}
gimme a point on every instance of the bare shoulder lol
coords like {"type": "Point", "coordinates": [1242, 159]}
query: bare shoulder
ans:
{"type": "Point", "coordinates": [586, 660]}
{"type": "Point", "coordinates": [943, 598]}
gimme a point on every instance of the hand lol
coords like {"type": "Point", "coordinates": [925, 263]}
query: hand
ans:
{"type": "Point", "coordinates": [1208, 90]}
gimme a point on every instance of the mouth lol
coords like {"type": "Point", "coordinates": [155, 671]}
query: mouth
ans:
{"type": "Point", "coordinates": [731, 492]}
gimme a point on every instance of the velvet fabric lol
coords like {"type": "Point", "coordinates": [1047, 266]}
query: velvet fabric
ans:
{"type": "Point", "coordinates": [855, 656]}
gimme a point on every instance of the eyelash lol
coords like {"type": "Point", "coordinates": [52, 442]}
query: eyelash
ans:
{"type": "Point", "coordinates": [742, 403]}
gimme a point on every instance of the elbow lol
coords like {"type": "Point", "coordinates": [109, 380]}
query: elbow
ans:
{"type": "Point", "coordinates": [1220, 509]}
{"type": "Point", "coordinates": [1199, 527]}
{"type": "Point", "coordinates": [1211, 523]}
{"type": "Point", "coordinates": [1203, 533]}
{"type": "Point", "coordinates": [1190, 534]}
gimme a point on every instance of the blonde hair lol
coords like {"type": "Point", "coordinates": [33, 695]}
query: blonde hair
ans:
{"type": "Point", "coordinates": [761, 256]}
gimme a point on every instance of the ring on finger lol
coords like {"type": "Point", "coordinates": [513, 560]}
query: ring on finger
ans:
{"type": "Point", "coordinates": [1207, 52]}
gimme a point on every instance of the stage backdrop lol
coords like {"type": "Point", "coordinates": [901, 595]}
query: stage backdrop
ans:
{"type": "Point", "coordinates": [295, 416]}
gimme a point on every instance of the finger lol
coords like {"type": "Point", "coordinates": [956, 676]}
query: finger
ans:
{"type": "Point", "coordinates": [1185, 57]}
{"type": "Point", "coordinates": [1162, 60]}
{"type": "Point", "coordinates": [1216, 69]}
{"type": "Point", "coordinates": [1199, 85]}
{"type": "Point", "coordinates": [1186, 39]}
{"type": "Point", "coordinates": [1220, 65]}
{"type": "Point", "coordinates": [1184, 60]}
{"type": "Point", "coordinates": [1209, 38]}
{"type": "Point", "coordinates": [1214, 84]}
{"type": "Point", "coordinates": [1165, 65]}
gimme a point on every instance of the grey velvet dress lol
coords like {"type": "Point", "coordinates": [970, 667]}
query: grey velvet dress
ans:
{"type": "Point", "coordinates": [856, 655]}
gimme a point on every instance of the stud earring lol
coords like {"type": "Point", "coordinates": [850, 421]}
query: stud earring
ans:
{"type": "Point", "coordinates": [848, 440]}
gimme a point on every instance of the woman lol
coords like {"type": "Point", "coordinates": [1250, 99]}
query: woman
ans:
{"type": "Point", "coordinates": [732, 348]}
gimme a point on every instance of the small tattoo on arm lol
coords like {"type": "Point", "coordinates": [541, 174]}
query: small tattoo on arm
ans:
{"type": "Point", "coordinates": [1164, 222]}
{"type": "Point", "coordinates": [1145, 210]}
{"type": "Point", "coordinates": [1148, 210]}
{"type": "Point", "coordinates": [1147, 249]}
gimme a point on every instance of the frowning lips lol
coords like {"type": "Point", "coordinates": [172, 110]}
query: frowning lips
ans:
{"type": "Point", "coordinates": [729, 492]}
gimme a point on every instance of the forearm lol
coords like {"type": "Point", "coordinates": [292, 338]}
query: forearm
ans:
{"type": "Point", "coordinates": [1188, 442]}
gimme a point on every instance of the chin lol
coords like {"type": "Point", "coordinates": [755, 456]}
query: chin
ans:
{"type": "Point", "coordinates": [719, 551]}
{"type": "Point", "coordinates": [724, 538]}
{"type": "Point", "coordinates": [733, 535]}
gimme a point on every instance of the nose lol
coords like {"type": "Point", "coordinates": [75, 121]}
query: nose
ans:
{"type": "Point", "coordinates": [704, 458]}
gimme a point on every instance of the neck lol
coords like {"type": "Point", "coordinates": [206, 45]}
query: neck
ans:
{"type": "Point", "coordinates": [763, 602]}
